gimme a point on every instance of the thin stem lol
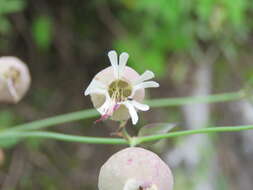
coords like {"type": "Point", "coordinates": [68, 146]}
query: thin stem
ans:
{"type": "Point", "coordinates": [123, 131]}
{"type": "Point", "coordinates": [90, 113]}
{"type": "Point", "coordinates": [51, 121]}
{"type": "Point", "coordinates": [63, 137]}
{"type": "Point", "coordinates": [134, 140]}
{"type": "Point", "coordinates": [231, 96]}
{"type": "Point", "coordinates": [192, 132]}
{"type": "Point", "coordinates": [126, 135]}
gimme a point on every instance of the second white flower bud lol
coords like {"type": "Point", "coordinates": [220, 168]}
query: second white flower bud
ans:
{"type": "Point", "coordinates": [14, 79]}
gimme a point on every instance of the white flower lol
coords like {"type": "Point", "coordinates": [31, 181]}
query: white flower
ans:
{"type": "Point", "coordinates": [117, 90]}
{"type": "Point", "coordinates": [14, 79]}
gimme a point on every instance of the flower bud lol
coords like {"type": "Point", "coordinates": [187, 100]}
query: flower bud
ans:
{"type": "Point", "coordinates": [135, 169]}
{"type": "Point", "coordinates": [14, 79]}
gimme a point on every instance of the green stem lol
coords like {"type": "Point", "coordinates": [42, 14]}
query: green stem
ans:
{"type": "Point", "coordinates": [51, 121]}
{"type": "Point", "coordinates": [125, 134]}
{"type": "Point", "coordinates": [133, 142]}
{"type": "Point", "coordinates": [123, 131]}
{"type": "Point", "coordinates": [192, 132]}
{"type": "Point", "coordinates": [232, 96]}
{"type": "Point", "coordinates": [63, 137]}
{"type": "Point", "coordinates": [85, 114]}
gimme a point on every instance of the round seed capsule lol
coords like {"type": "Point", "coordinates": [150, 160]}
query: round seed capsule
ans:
{"type": "Point", "coordinates": [135, 169]}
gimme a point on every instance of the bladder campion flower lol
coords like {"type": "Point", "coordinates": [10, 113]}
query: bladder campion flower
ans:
{"type": "Point", "coordinates": [14, 79]}
{"type": "Point", "coordinates": [118, 90]}
{"type": "Point", "coordinates": [135, 169]}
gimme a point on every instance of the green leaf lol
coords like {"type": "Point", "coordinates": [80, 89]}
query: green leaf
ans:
{"type": "Point", "coordinates": [156, 128]}
{"type": "Point", "coordinates": [141, 58]}
{"type": "Point", "coordinates": [11, 6]}
{"type": "Point", "coordinates": [42, 31]}
{"type": "Point", "coordinates": [204, 9]}
{"type": "Point", "coordinates": [154, 61]}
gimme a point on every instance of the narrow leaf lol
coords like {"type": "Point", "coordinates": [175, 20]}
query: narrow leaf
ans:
{"type": "Point", "coordinates": [156, 128]}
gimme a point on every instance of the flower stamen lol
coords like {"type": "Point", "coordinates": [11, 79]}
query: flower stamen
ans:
{"type": "Point", "coordinates": [119, 90]}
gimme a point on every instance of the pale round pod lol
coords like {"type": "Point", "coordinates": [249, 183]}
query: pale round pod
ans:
{"type": "Point", "coordinates": [106, 77]}
{"type": "Point", "coordinates": [135, 169]}
{"type": "Point", "coordinates": [14, 79]}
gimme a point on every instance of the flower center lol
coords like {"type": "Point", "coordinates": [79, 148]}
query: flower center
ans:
{"type": "Point", "coordinates": [119, 90]}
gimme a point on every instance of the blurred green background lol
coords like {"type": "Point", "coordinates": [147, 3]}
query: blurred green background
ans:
{"type": "Point", "coordinates": [195, 47]}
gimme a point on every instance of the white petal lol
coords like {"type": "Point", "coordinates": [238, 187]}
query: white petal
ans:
{"type": "Point", "coordinates": [148, 84]}
{"type": "Point", "coordinates": [95, 87]}
{"type": "Point", "coordinates": [114, 62]}
{"type": "Point", "coordinates": [132, 112]}
{"type": "Point", "coordinates": [104, 108]}
{"type": "Point", "coordinates": [139, 106]}
{"type": "Point", "coordinates": [122, 62]}
{"type": "Point", "coordinates": [145, 76]}
{"type": "Point", "coordinates": [97, 91]}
